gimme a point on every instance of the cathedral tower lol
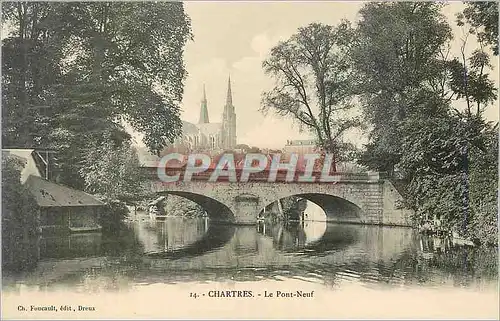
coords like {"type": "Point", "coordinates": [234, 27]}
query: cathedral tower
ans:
{"type": "Point", "coordinates": [204, 109]}
{"type": "Point", "coordinates": [229, 120]}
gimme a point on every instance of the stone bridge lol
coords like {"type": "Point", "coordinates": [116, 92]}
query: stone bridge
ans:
{"type": "Point", "coordinates": [363, 198]}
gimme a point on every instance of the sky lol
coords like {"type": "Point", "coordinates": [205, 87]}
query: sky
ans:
{"type": "Point", "coordinates": [233, 38]}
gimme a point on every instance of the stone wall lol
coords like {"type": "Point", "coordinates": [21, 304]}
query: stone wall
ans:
{"type": "Point", "coordinates": [394, 213]}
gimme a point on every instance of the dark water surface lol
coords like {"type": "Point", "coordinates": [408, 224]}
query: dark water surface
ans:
{"type": "Point", "coordinates": [179, 250]}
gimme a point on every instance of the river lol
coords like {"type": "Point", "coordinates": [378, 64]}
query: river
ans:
{"type": "Point", "coordinates": [179, 251]}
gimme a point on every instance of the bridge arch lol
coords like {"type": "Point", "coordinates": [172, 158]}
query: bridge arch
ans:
{"type": "Point", "coordinates": [335, 208]}
{"type": "Point", "coordinates": [216, 210]}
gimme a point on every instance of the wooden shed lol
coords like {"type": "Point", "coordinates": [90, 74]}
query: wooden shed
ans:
{"type": "Point", "coordinates": [64, 208]}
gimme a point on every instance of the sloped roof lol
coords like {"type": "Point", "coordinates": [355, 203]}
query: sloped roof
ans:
{"type": "Point", "coordinates": [210, 128]}
{"type": "Point", "coordinates": [49, 194]}
{"type": "Point", "coordinates": [189, 128]}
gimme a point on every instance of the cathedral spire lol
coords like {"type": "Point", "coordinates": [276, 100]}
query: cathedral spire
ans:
{"type": "Point", "coordinates": [229, 98]}
{"type": "Point", "coordinates": [204, 109]}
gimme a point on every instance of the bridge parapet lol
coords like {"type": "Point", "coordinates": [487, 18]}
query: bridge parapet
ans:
{"type": "Point", "coordinates": [264, 176]}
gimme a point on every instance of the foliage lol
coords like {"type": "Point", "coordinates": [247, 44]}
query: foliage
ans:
{"type": "Point", "coordinates": [293, 207]}
{"type": "Point", "coordinates": [113, 172]}
{"type": "Point", "coordinates": [313, 81]}
{"type": "Point", "coordinates": [451, 166]}
{"type": "Point", "coordinates": [379, 156]}
{"type": "Point", "coordinates": [72, 72]}
{"type": "Point", "coordinates": [483, 177]}
{"type": "Point", "coordinates": [469, 78]}
{"type": "Point", "coordinates": [31, 70]}
{"type": "Point", "coordinates": [19, 218]}
{"type": "Point", "coordinates": [472, 84]}
{"type": "Point", "coordinates": [399, 59]}
{"type": "Point", "coordinates": [443, 197]}
{"type": "Point", "coordinates": [444, 154]}
{"type": "Point", "coordinates": [130, 59]}
{"type": "Point", "coordinates": [439, 145]}
{"type": "Point", "coordinates": [399, 45]}
{"type": "Point", "coordinates": [179, 206]}
{"type": "Point", "coordinates": [112, 216]}
{"type": "Point", "coordinates": [483, 16]}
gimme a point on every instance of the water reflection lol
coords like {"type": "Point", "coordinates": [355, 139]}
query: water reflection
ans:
{"type": "Point", "coordinates": [180, 238]}
{"type": "Point", "coordinates": [178, 250]}
{"type": "Point", "coordinates": [309, 236]}
{"type": "Point", "coordinates": [71, 246]}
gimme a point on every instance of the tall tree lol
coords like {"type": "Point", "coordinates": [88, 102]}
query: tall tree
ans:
{"type": "Point", "coordinates": [31, 70]}
{"type": "Point", "coordinates": [313, 82]}
{"type": "Point", "coordinates": [130, 65]}
{"type": "Point", "coordinates": [469, 75]}
{"type": "Point", "coordinates": [91, 66]}
{"type": "Point", "coordinates": [400, 58]}
{"type": "Point", "coordinates": [409, 84]}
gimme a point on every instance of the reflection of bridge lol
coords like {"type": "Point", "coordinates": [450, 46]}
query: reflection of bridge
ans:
{"type": "Point", "coordinates": [279, 246]}
{"type": "Point", "coordinates": [361, 197]}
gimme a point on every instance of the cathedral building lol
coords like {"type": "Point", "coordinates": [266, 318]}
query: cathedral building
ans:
{"type": "Point", "coordinates": [207, 136]}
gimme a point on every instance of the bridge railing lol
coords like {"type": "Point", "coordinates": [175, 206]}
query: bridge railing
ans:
{"type": "Point", "coordinates": [263, 176]}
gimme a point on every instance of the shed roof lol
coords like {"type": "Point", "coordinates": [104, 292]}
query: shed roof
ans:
{"type": "Point", "coordinates": [49, 194]}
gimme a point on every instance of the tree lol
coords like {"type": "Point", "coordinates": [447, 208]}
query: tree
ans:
{"type": "Point", "coordinates": [72, 72]}
{"type": "Point", "coordinates": [113, 172]}
{"type": "Point", "coordinates": [400, 59]}
{"type": "Point", "coordinates": [469, 78]}
{"type": "Point", "coordinates": [130, 65]}
{"type": "Point", "coordinates": [313, 82]}
{"type": "Point", "coordinates": [451, 170]}
{"type": "Point", "coordinates": [483, 17]}
{"type": "Point", "coordinates": [31, 70]}
{"type": "Point", "coordinates": [409, 84]}
{"type": "Point", "coordinates": [19, 218]}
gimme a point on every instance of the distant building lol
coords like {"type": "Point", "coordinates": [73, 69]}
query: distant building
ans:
{"type": "Point", "coordinates": [207, 136]}
{"type": "Point", "coordinates": [60, 207]}
{"type": "Point", "coordinates": [300, 146]}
